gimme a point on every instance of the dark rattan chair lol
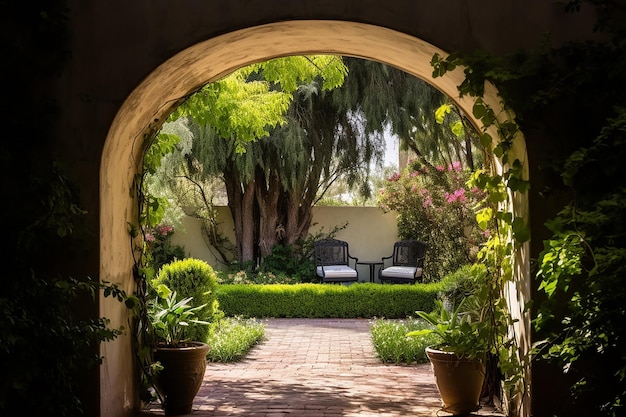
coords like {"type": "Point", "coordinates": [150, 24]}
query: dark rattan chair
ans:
{"type": "Point", "coordinates": [332, 261]}
{"type": "Point", "coordinates": [406, 264]}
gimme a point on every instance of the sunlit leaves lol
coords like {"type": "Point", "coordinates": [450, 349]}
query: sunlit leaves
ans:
{"type": "Point", "coordinates": [161, 146]}
{"type": "Point", "coordinates": [247, 104]}
{"type": "Point", "coordinates": [560, 261]}
{"type": "Point", "coordinates": [293, 71]}
{"type": "Point", "coordinates": [483, 217]}
{"type": "Point", "coordinates": [441, 112]}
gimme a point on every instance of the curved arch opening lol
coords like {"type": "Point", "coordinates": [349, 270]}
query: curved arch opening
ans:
{"type": "Point", "coordinates": [150, 103]}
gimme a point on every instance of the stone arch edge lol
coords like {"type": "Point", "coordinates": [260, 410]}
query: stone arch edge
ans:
{"type": "Point", "coordinates": [152, 100]}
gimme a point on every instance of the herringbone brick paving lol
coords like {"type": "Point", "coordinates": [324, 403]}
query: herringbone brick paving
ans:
{"type": "Point", "coordinates": [316, 368]}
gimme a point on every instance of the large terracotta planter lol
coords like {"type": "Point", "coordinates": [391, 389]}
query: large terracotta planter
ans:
{"type": "Point", "coordinates": [459, 380]}
{"type": "Point", "coordinates": [181, 377]}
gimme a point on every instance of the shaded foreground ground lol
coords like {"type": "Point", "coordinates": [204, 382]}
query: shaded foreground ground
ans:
{"type": "Point", "coordinates": [316, 367]}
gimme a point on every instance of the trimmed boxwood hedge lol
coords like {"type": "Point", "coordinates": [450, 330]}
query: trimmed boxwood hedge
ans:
{"type": "Point", "coordinates": [359, 300]}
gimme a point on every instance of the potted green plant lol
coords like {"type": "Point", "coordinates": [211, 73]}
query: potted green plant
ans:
{"type": "Point", "coordinates": [458, 360]}
{"type": "Point", "coordinates": [183, 362]}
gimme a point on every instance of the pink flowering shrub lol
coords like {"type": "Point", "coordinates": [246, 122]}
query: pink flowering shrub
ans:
{"type": "Point", "coordinates": [436, 205]}
{"type": "Point", "coordinates": [159, 247]}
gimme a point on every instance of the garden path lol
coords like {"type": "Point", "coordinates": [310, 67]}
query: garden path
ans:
{"type": "Point", "coordinates": [316, 368]}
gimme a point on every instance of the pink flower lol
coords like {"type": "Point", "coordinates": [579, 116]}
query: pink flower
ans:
{"type": "Point", "coordinates": [457, 195]}
{"type": "Point", "coordinates": [149, 237]}
{"type": "Point", "coordinates": [440, 168]}
{"type": "Point", "coordinates": [456, 166]}
{"type": "Point", "coordinates": [166, 229]}
{"type": "Point", "coordinates": [394, 177]}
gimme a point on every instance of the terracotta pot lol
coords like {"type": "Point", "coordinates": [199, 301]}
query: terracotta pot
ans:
{"type": "Point", "coordinates": [181, 377]}
{"type": "Point", "coordinates": [459, 380]}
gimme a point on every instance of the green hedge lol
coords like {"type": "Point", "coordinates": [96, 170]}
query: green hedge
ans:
{"type": "Point", "coordinates": [361, 300]}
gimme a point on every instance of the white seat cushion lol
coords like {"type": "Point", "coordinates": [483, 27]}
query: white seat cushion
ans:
{"type": "Point", "coordinates": [336, 271]}
{"type": "Point", "coordinates": [403, 272]}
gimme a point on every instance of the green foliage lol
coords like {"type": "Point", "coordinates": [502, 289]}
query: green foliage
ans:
{"type": "Point", "coordinates": [392, 345]}
{"type": "Point", "coordinates": [245, 106]}
{"type": "Point", "coordinates": [457, 331]}
{"type": "Point", "coordinates": [584, 262]}
{"type": "Point", "coordinates": [460, 284]}
{"type": "Point", "coordinates": [437, 206]}
{"type": "Point", "coordinates": [285, 260]}
{"type": "Point", "coordinates": [195, 279]}
{"type": "Point", "coordinates": [159, 247]}
{"type": "Point", "coordinates": [581, 269]}
{"type": "Point", "coordinates": [45, 348]}
{"type": "Point", "coordinates": [232, 338]}
{"type": "Point", "coordinates": [171, 318]}
{"type": "Point", "coordinates": [326, 300]}
{"type": "Point", "coordinates": [506, 365]}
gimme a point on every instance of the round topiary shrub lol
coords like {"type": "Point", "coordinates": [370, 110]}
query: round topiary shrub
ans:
{"type": "Point", "coordinates": [192, 278]}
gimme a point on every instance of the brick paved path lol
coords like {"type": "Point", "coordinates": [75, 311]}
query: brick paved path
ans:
{"type": "Point", "coordinates": [316, 368]}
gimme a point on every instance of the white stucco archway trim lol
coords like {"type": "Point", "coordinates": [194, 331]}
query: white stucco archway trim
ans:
{"type": "Point", "coordinates": [150, 103]}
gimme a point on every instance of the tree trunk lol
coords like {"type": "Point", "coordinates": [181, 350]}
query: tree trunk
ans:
{"type": "Point", "coordinates": [292, 227]}
{"type": "Point", "coordinates": [267, 195]}
{"type": "Point", "coordinates": [248, 223]}
{"type": "Point", "coordinates": [241, 205]}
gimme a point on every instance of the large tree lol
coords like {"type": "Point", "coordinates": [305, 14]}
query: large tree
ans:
{"type": "Point", "coordinates": [249, 105]}
{"type": "Point", "coordinates": [279, 134]}
{"type": "Point", "coordinates": [425, 120]}
{"type": "Point", "coordinates": [273, 185]}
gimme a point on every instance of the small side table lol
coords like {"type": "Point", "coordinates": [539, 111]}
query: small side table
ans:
{"type": "Point", "coordinates": [372, 265]}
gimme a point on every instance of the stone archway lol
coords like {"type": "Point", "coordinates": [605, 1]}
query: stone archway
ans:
{"type": "Point", "coordinates": [150, 103]}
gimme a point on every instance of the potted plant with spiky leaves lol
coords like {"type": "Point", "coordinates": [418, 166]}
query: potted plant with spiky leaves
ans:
{"type": "Point", "coordinates": [183, 362]}
{"type": "Point", "coordinates": [467, 337]}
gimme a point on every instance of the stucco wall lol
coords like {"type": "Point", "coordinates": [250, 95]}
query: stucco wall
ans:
{"type": "Point", "coordinates": [370, 233]}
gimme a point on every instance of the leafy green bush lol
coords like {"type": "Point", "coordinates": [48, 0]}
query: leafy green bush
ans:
{"type": "Point", "coordinates": [45, 350]}
{"type": "Point", "coordinates": [326, 300]}
{"type": "Point", "coordinates": [232, 337]}
{"type": "Point", "coordinates": [461, 283]}
{"type": "Point", "coordinates": [160, 248]}
{"type": "Point", "coordinates": [285, 260]}
{"type": "Point", "coordinates": [436, 205]}
{"type": "Point", "coordinates": [192, 278]}
{"type": "Point", "coordinates": [392, 345]}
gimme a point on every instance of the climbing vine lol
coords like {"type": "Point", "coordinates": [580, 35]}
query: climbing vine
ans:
{"type": "Point", "coordinates": [573, 95]}
{"type": "Point", "coordinates": [507, 231]}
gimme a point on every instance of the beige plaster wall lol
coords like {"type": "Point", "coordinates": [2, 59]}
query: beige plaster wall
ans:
{"type": "Point", "coordinates": [370, 233]}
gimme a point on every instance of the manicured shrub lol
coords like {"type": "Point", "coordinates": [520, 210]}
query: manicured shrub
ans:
{"type": "Point", "coordinates": [361, 300]}
{"type": "Point", "coordinates": [192, 278]}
